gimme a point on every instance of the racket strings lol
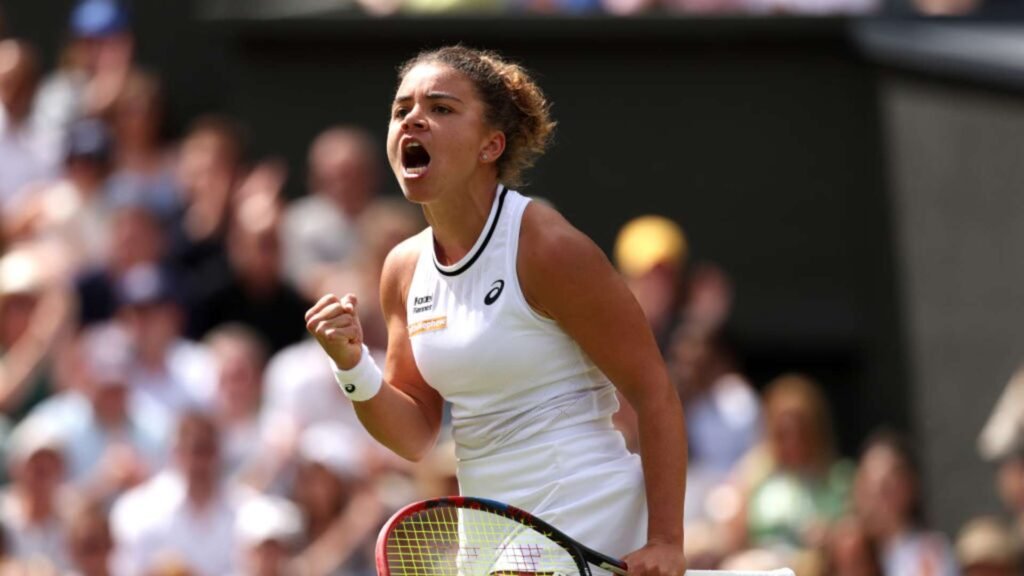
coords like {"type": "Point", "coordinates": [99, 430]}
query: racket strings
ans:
{"type": "Point", "coordinates": [447, 541]}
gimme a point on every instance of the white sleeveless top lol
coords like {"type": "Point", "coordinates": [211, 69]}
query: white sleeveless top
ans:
{"type": "Point", "coordinates": [509, 373]}
{"type": "Point", "coordinates": [531, 414]}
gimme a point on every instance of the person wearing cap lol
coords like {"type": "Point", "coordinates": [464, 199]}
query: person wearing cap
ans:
{"type": "Point", "coordinates": [184, 515]}
{"type": "Point", "coordinates": [96, 62]}
{"type": "Point", "coordinates": [170, 373]}
{"type": "Point", "coordinates": [651, 253]}
{"type": "Point", "coordinates": [31, 506]}
{"type": "Point", "coordinates": [268, 529]}
{"type": "Point", "coordinates": [986, 546]}
{"type": "Point", "coordinates": [137, 238]}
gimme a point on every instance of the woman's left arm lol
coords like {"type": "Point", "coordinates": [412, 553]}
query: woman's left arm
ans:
{"type": "Point", "coordinates": [566, 277]}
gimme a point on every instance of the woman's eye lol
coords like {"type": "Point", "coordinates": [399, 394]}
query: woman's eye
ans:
{"type": "Point", "coordinates": [400, 112]}
{"type": "Point", "coordinates": [442, 110]}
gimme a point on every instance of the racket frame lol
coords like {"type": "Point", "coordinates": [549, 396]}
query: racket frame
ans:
{"type": "Point", "coordinates": [581, 554]}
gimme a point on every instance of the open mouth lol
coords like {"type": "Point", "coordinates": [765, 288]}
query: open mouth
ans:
{"type": "Point", "coordinates": [415, 158]}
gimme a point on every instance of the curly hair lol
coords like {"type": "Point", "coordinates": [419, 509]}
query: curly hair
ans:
{"type": "Point", "coordinates": [513, 101]}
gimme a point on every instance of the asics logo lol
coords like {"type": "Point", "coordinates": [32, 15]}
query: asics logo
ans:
{"type": "Point", "coordinates": [495, 291]}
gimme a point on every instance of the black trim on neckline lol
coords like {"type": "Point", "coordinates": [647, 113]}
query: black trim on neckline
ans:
{"type": "Point", "coordinates": [483, 246]}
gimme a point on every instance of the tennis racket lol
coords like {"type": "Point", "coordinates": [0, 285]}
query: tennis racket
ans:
{"type": "Point", "coordinates": [465, 536]}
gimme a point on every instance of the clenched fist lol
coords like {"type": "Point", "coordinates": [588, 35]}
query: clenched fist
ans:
{"type": "Point", "coordinates": [335, 325]}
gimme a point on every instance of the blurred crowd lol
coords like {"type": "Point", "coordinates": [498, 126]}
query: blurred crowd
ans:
{"type": "Point", "coordinates": [766, 484]}
{"type": "Point", "coordinates": [162, 411]}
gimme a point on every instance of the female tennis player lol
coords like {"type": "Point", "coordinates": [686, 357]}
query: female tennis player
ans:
{"type": "Point", "coordinates": [505, 310]}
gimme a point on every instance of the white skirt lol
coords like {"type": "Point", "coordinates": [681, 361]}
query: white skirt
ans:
{"type": "Point", "coordinates": [582, 481]}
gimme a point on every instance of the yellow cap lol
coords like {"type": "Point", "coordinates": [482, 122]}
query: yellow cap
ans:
{"type": "Point", "coordinates": [647, 241]}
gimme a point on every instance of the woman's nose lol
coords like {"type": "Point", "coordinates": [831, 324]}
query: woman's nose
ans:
{"type": "Point", "coordinates": [414, 120]}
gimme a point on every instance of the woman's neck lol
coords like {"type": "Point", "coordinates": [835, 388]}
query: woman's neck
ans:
{"type": "Point", "coordinates": [458, 218]}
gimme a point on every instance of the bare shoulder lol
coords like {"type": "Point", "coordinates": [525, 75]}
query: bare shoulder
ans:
{"type": "Point", "coordinates": [548, 243]}
{"type": "Point", "coordinates": [555, 258]}
{"type": "Point", "coordinates": [398, 270]}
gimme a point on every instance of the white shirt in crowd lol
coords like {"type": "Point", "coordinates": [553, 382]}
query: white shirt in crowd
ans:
{"type": "Point", "coordinates": [314, 231]}
{"type": "Point", "coordinates": [86, 441]}
{"type": "Point", "coordinates": [27, 541]}
{"type": "Point", "coordinates": [919, 553]}
{"type": "Point", "coordinates": [187, 380]}
{"type": "Point", "coordinates": [26, 158]}
{"type": "Point", "coordinates": [155, 523]}
{"type": "Point", "coordinates": [300, 390]}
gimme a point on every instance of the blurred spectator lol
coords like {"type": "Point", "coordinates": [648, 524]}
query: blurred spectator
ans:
{"type": "Point", "coordinates": [182, 517]}
{"type": "Point", "coordinates": [171, 374]}
{"type": "Point", "coordinates": [795, 484]}
{"type": "Point", "coordinates": [850, 551]}
{"type": "Point", "coordinates": [142, 166]}
{"type": "Point", "coordinates": [650, 252]}
{"type": "Point", "coordinates": [320, 229]}
{"type": "Point", "coordinates": [342, 516]}
{"type": "Point", "coordinates": [208, 171]}
{"type": "Point", "coordinates": [947, 7]}
{"type": "Point", "coordinates": [95, 64]}
{"type": "Point", "coordinates": [90, 545]}
{"type": "Point", "coordinates": [137, 238]}
{"type": "Point", "coordinates": [709, 297]}
{"type": "Point", "coordinates": [1002, 441]}
{"type": "Point", "coordinates": [723, 414]}
{"type": "Point", "coordinates": [382, 226]}
{"type": "Point", "coordinates": [887, 499]}
{"type": "Point", "coordinates": [108, 448]}
{"type": "Point", "coordinates": [35, 313]}
{"type": "Point", "coordinates": [73, 209]}
{"type": "Point", "coordinates": [267, 530]}
{"type": "Point", "coordinates": [300, 389]}
{"type": "Point", "coordinates": [722, 408]}
{"type": "Point", "coordinates": [31, 506]}
{"type": "Point", "coordinates": [255, 293]}
{"type": "Point", "coordinates": [25, 155]}
{"type": "Point", "coordinates": [808, 7]}
{"type": "Point", "coordinates": [240, 355]}
{"type": "Point", "coordinates": [988, 547]}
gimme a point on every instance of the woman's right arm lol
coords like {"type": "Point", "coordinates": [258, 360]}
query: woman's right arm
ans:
{"type": "Point", "coordinates": [405, 415]}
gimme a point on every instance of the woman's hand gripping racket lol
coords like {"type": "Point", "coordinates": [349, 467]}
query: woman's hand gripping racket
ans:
{"type": "Point", "coordinates": [464, 536]}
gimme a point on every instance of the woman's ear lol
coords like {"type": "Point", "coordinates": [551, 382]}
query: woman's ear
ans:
{"type": "Point", "coordinates": [493, 147]}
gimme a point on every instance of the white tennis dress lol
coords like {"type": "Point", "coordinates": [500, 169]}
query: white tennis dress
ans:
{"type": "Point", "coordinates": [531, 414]}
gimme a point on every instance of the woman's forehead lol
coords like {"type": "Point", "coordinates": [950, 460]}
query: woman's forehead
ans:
{"type": "Point", "coordinates": [432, 76]}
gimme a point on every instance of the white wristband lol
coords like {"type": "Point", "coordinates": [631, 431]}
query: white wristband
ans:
{"type": "Point", "coordinates": [363, 381]}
